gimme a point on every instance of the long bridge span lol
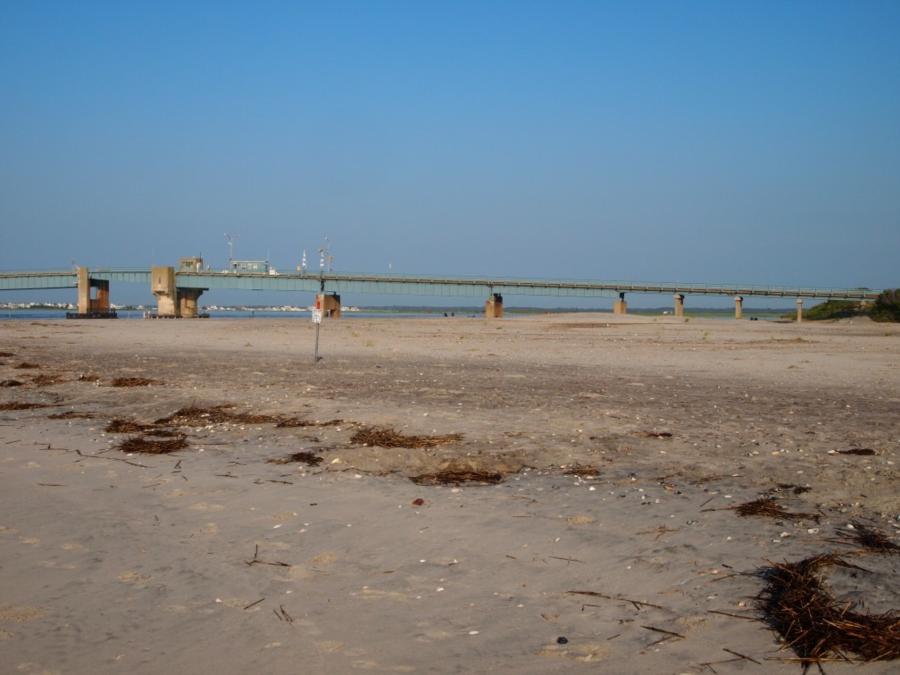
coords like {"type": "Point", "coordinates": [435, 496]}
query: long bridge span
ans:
{"type": "Point", "coordinates": [177, 290]}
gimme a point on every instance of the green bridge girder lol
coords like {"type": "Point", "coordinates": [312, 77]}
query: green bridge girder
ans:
{"type": "Point", "coordinates": [346, 283]}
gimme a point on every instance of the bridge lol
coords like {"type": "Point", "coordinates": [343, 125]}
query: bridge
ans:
{"type": "Point", "coordinates": [177, 290]}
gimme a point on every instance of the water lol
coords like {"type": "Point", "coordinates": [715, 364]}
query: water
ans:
{"type": "Point", "coordinates": [56, 314]}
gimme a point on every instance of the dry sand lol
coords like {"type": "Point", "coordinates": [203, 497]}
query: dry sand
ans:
{"type": "Point", "coordinates": [213, 559]}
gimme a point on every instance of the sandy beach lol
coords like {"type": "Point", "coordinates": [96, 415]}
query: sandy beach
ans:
{"type": "Point", "coordinates": [602, 536]}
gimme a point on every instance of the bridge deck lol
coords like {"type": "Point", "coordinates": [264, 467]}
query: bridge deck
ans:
{"type": "Point", "coordinates": [422, 285]}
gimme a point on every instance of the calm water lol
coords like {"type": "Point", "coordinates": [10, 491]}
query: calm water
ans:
{"type": "Point", "coordinates": [53, 314]}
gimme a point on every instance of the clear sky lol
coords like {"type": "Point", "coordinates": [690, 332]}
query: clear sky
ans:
{"type": "Point", "coordinates": [754, 142]}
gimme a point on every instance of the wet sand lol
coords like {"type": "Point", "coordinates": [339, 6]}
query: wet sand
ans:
{"type": "Point", "coordinates": [214, 558]}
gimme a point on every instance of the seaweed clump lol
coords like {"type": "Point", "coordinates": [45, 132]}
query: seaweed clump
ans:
{"type": "Point", "coordinates": [386, 437]}
{"type": "Point", "coordinates": [303, 457]}
{"type": "Point", "coordinates": [457, 474]}
{"type": "Point", "coordinates": [17, 405]}
{"type": "Point", "coordinates": [154, 446]}
{"type": "Point", "coordinates": [71, 415]}
{"type": "Point", "coordinates": [196, 416]}
{"type": "Point", "coordinates": [132, 382]}
{"type": "Point", "coordinates": [870, 539]}
{"type": "Point", "coordinates": [289, 422]}
{"type": "Point", "coordinates": [120, 426]}
{"type": "Point", "coordinates": [768, 507]}
{"type": "Point", "coordinates": [797, 604]}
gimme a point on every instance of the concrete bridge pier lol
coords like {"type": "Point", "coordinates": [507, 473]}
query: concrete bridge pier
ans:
{"type": "Point", "coordinates": [679, 304]}
{"type": "Point", "coordinates": [493, 307]}
{"type": "Point", "coordinates": [92, 306]}
{"type": "Point", "coordinates": [330, 304]}
{"type": "Point", "coordinates": [172, 301]}
{"type": "Point", "coordinates": [162, 285]}
{"type": "Point", "coordinates": [799, 310]}
{"type": "Point", "coordinates": [188, 307]}
{"type": "Point", "coordinates": [620, 306]}
{"type": "Point", "coordinates": [738, 307]}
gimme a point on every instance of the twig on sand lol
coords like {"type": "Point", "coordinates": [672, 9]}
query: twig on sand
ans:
{"type": "Point", "coordinates": [253, 604]}
{"type": "Point", "coordinates": [112, 459]}
{"type": "Point", "coordinates": [637, 603]}
{"type": "Point", "coordinates": [282, 614]}
{"type": "Point", "coordinates": [665, 632]}
{"type": "Point", "coordinates": [743, 656]}
{"type": "Point", "coordinates": [257, 561]}
{"type": "Point", "coordinates": [97, 456]}
{"type": "Point", "coordinates": [568, 560]}
{"type": "Point", "coordinates": [710, 664]}
{"type": "Point", "coordinates": [734, 616]}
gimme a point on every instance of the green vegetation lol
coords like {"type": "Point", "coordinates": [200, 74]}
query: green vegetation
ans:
{"type": "Point", "coordinates": [887, 306]}
{"type": "Point", "coordinates": [836, 309]}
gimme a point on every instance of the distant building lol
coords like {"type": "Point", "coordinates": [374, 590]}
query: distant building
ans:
{"type": "Point", "coordinates": [192, 264]}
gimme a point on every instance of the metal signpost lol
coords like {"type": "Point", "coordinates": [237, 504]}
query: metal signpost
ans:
{"type": "Point", "coordinates": [317, 319]}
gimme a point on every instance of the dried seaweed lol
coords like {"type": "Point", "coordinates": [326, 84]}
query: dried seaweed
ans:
{"type": "Point", "coordinates": [582, 471]}
{"type": "Point", "coordinates": [71, 415]}
{"type": "Point", "coordinates": [768, 507]}
{"type": "Point", "coordinates": [796, 489]}
{"type": "Point", "coordinates": [133, 382]}
{"type": "Point", "coordinates": [195, 416]}
{"type": "Point", "coordinates": [46, 380]}
{"type": "Point", "coordinates": [10, 383]}
{"type": "Point", "coordinates": [857, 451]}
{"type": "Point", "coordinates": [289, 422]}
{"type": "Point", "coordinates": [6, 355]}
{"type": "Point", "coordinates": [386, 437]}
{"type": "Point", "coordinates": [304, 457]}
{"type": "Point", "coordinates": [458, 476]}
{"type": "Point", "coordinates": [152, 446]}
{"type": "Point", "coordinates": [120, 426]}
{"type": "Point", "coordinates": [797, 604]}
{"type": "Point", "coordinates": [870, 538]}
{"type": "Point", "coordinates": [655, 434]}
{"type": "Point", "coordinates": [25, 365]}
{"type": "Point", "coordinates": [16, 405]}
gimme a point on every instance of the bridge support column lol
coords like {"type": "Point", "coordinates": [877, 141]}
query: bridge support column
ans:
{"type": "Point", "coordinates": [738, 307]}
{"type": "Point", "coordinates": [799, 310]}
{"type": "Point", "coordinates": [679, 304]}
{"type": "Point", "coordinates": [187, 302]}
{"type": "Point", "coordinates": [162, 284]}
{"type": "Point", "coordinates": [493, 307]}
{"type": "Point", "coordinates": [330, 304]}
{"type": "Point", "coordinates": [96, 306]}
{"type": "Point", "coordinates": [620, 306]}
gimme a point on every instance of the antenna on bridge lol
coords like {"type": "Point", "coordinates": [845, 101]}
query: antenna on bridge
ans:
{"type": "Point", "coordinates": [325, 255]}
{"type": "Point", "coordinates": [230, 238]}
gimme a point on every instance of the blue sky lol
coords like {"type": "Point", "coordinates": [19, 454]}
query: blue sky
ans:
{"type": "Point", "coordinates": [756, 142]}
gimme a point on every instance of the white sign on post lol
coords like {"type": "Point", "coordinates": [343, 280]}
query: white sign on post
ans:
{"type": "Point", "coordinates": [317, 316]}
